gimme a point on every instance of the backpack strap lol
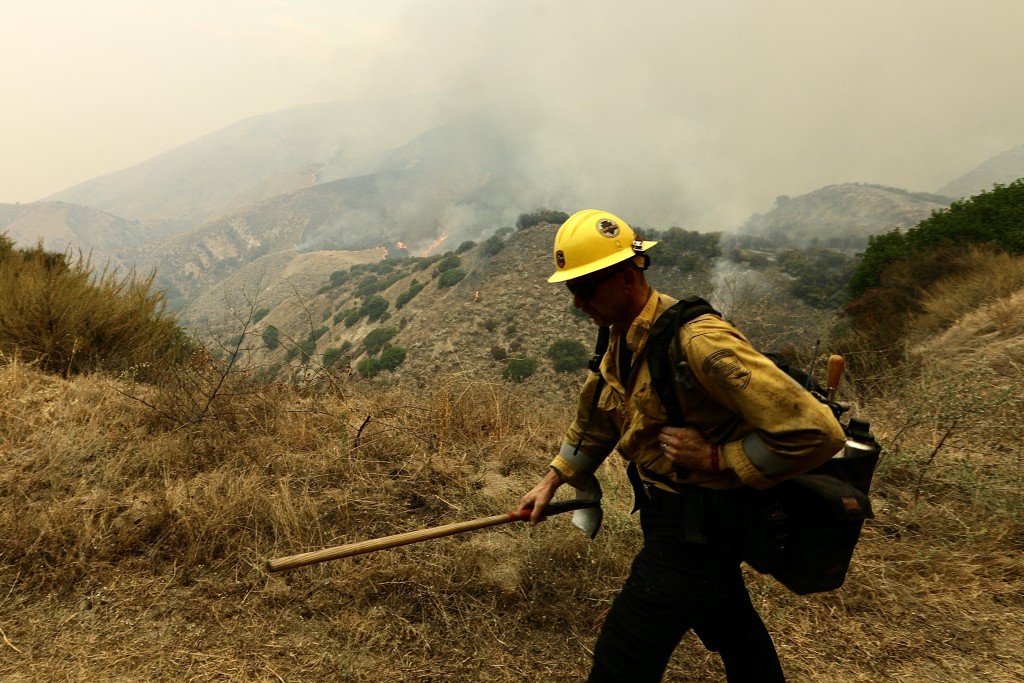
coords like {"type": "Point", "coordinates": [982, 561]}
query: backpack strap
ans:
{"type": "Point", "coordinates": [600, 347]}
{"type": "Point", "coordinates": [665, 333]}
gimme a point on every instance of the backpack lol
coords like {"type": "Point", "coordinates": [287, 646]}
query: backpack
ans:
{"type": "Point", "coordinates": [801, 531]}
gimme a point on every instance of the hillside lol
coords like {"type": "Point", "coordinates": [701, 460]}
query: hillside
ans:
{"type": "Point", "coordinates": [841, 216]}
{"type": "Point", "coordinates": [502, 306]}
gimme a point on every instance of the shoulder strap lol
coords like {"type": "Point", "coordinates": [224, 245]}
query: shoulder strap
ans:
{"type": "Point", "coordinates": [665, 334]}
{"type": "Point", "coordinates": [600, 347]}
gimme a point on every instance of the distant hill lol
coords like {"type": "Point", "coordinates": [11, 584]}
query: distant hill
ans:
{"type": "Point", "coordinates": [255, 159]}
{"type": "Point", "coordinates": [60, 224]}
{"type": "Point", "coordinates": [440, 189]}
{"type": "Point", "coordinates": [1002, 169]}
{"type": "Point", "coordinates": [842, 216]}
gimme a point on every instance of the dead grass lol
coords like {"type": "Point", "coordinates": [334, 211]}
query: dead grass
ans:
{"type": "Point", "coordinates": [133, 547]}
{"type": "Point", "coordinates": [982, 277]}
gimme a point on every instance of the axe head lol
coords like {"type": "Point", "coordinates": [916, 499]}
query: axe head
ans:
{"type": "Point", "coordinates": [588, 520]}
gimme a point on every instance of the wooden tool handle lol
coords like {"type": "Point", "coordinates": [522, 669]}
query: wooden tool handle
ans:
{"type": "Point", "coordinates": [339, 551]}
{"type": "Point", "coordinates": [835, 371]}
{"type": "Point", "coordinates": [350, 549]}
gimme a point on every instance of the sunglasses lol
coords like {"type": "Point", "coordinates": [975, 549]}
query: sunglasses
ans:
{"type": "Point", "coordinates": [585, 289]}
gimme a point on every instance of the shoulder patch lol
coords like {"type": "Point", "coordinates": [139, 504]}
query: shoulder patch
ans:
{"type": "Point", "coordinates": [727, 371]}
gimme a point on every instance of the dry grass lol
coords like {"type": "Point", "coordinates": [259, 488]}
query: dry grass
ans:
{"type": "Point", "coordinates": [132, 545]}
{"type": "Point", "coordinates": [983, 277]}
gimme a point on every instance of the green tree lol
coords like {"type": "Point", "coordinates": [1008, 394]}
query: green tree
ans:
{"type": "Point", "coordinates": [882, 251]}
{"type": "Point", "coordinates": [687, 250]}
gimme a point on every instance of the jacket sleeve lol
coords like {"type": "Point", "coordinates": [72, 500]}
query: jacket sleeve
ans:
{"type": "Point", "coordinates": [792, 431]}
{"type": "Point", "coordinates": [599, 434]}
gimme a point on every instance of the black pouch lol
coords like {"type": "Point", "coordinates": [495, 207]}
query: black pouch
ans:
{"type": "Point", "coordinates": [803, 531]}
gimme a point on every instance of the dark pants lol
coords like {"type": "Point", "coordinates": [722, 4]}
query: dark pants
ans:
{"type": "Point", "coordinates": [676, 585]}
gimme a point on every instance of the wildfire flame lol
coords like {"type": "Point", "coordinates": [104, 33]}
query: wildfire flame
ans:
{"type": "Point", "coordinates": [435, 244]}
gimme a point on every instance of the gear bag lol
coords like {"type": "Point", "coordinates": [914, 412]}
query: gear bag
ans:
{"type": "Point", "coordinates": [803, 530]}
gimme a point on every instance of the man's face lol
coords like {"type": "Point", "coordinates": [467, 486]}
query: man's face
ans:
{"type": "Point", "coordinates": [599, 295]}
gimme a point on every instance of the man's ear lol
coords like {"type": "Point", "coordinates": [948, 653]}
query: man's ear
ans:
{"type": "Point", "coordinates": [631, 278]}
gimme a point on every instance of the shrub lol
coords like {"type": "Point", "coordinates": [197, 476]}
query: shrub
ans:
{"type": "Point", "coordinates": [407, 296]}
{"type": "Point", "coordinates": [820, 275]}
{"type": "Point", "coordinates": [374, 307]}
{"type": "Point", "coordinates": [368, 367]}
{"type": "Point", "coordinates": [448, 263]}
{"type": "Point", "coordinates": [260, 315]}
{"type": "Point", "coordinates": [375, 340]}
{"type": "Point", "coordinates": [352, 317]}
{"type": "Point", "coordinates": [271, 337]}
{"type": "Point", "coordinates": [493, 245]}
{"type": "Point", "coordinates": [568, 355]}
{"type": "Point", "coordinates": [519, 368]}
{"type": "Point", "coordinates": [528, 220]}
{"type": "Point", "coordinates": [392, 357]}
{"type": "Point", "coordinates": [498, 353]}
{"type": "Point", "coordinates": [304, 350]}
{"type": "Point", "coordinates": [370, 284]}
{"type": "Point", "coordinates": [62, 315]}
{"type": "Point", "coordinates": [450, 278]}
{"type": "Point", "coordinates": [332, 355]}
{"type": "Point", "coordinates": [465, 246]}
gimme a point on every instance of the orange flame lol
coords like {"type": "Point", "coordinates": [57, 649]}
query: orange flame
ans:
{"type": "Point", "coordinates": [435, 244]}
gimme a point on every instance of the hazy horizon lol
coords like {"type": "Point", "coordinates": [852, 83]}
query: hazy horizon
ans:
{"type": "Point", "coordinates": [707, 108]}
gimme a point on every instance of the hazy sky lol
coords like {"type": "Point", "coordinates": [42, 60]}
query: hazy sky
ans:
{"type": "Point", "coordinates": [742, 100]}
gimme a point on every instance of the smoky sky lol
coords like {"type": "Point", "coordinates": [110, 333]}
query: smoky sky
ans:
{"type": "Point", "coordinates": [693, 113]}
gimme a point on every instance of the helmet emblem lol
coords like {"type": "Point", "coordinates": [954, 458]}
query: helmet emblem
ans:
{"type": "Point", "coordinates": [560, 258]}
{"type": "Point", "coordinates": [608, 228]}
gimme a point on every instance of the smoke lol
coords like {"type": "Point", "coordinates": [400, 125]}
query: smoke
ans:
{"type": "Point", "coordinates": [699, 114]}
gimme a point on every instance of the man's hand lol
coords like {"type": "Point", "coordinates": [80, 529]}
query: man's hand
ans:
{"type": "Point", "coordinates": [540, 495]}
{"type": "Point", "coordinates": [688, 448]}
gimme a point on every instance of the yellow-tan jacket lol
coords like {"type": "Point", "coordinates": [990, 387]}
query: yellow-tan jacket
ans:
{"type": "Point", "coordinates": [767, 426]}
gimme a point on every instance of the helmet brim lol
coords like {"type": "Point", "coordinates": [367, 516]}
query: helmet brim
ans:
{"type": "Point", "coordinates": [601, 264]}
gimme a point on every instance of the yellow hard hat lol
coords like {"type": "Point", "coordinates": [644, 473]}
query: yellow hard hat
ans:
{"type": "Point", "coordinates": [591, 240]}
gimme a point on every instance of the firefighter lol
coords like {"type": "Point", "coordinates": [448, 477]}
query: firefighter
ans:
{"type": "Point", "coordinates": [748, 427]}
